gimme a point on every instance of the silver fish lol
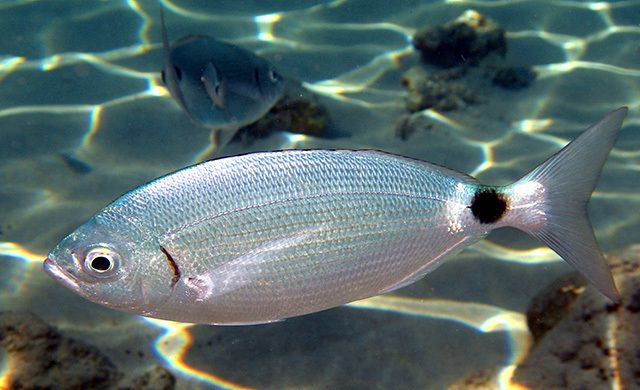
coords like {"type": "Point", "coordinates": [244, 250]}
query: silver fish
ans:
{"type": "Point", "coordinates": [266, 236]}
{"type": "Point", "coordinates": [219, 85]}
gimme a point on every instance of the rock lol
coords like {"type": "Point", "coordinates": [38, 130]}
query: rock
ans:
{"type": "Point", "coordinates": [439, 90]}
{"type": "Point", "coordinates": [408, 125]}
{"type": "Point", "coordinates": [597, 343]}
{"type": "Point", "coordinates": [482, 380]}
{"type": "Point", "coordinates": [553, 303]}
{"type": "Point", "coordinates": [156, 378]}
{"type": "Point", "coordinates": [514, 77]}
{"type": "Point", "coordinates": [42, 358]}
{"type": "Point", "coordinates": [296, 112]}
{"type": "Point", "coordinates": [465, 40]}
{"type": "Point", "coordinates": [458, 45]}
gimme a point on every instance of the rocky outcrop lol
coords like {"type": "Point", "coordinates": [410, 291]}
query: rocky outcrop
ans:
{"type": "Point", "coordinates": [596, 343]}
{"type": "Point", "coordinates": [40, 357]}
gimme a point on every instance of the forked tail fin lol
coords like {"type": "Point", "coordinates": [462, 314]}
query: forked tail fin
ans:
{"type": "Point", "coordinates": [169, 75]}
{"type": "Point", "coordinates": [553, 199]}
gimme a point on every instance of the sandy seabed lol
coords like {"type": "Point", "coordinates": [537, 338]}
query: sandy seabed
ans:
{"type": "Point", "coordinates": [84, 118]}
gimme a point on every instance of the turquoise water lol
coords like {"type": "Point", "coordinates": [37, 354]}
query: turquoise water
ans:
{"type": "Point", "coordinates": [84, 118]}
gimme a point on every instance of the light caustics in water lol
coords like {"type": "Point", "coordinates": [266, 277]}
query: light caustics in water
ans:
{"type": "Point", "coordinates": [353, 81]}
{"type": "Point", "coordinates": [347, 87]}
{"type": "Point", "coordinates": [28, 263]}
{"type": "Point", "coordinates": [5, 370]}
{"type": "Point", "coordinates": [533, 256]}
{"type": "Point", "coordinates": [350, 87]}
{"type": "Point", "coordinates": [19, 252]}
{"type": "Point", "coordinates": [359, 79]}
{"type": "Point", "coordinates": [172, 345]}
{"type": "Point", "coordinates": [483, 318]}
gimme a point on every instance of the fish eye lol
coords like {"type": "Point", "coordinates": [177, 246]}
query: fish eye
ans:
{"type": "Point", "coordinates": [178, 73]}
{"type": "Point", "coordinates": [101, 262]}
{"type": "Point", "coordinates": [273, 75]}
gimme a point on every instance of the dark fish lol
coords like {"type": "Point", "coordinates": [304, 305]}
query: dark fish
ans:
{"type": "Point", "coordinates": [218, 84]}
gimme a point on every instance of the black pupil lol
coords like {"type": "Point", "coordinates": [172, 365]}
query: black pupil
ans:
{"type": "Point", "coordinates": [100, 263]}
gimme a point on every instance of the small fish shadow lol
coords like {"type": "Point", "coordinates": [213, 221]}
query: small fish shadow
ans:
{"type": "Point", "coordinates": [75, 164]}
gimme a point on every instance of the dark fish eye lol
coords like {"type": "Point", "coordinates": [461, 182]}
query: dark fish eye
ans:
{"type": "Point", "coordinates": [101, 262]}
{"type": "Point", "coordinates": [273, 75]}
{"type": "Point", "coordinates": [178, 73]}
{"type": "Point", "coordinates": [164, 80]}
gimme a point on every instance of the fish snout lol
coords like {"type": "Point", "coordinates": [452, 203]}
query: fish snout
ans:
{"type": "Point", "coordinates": [53, 270]}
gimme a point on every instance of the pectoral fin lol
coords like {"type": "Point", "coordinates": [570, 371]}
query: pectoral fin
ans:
{"type": "Point", "coordinates": [247, 269]}
{"type": "Point", "coordinates": [214, 85]}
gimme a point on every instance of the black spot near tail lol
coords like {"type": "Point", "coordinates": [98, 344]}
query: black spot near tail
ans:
{"type": "Point", "coordinates": [488, 206]}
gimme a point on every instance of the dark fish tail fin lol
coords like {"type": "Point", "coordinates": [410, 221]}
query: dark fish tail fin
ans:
{"type": "Point", "coordinates": [169, 75]}
{"type": "Point", "coordinates": [552, 200]}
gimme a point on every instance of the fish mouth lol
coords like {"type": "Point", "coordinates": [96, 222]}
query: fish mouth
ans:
{"type": "Point", "coordinates": [58, 274]}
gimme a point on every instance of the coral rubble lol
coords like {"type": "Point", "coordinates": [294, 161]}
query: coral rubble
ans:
{"type": "Point", "coordinates": [466, 40]}
{"type": "Point", "coordinates": [514, 77]}
{"type": "Point", "coordinates": [596, 343]}
{"type": "Point", "coordinates": [297, 112]}
{"type": "Point", "coordinates": [441, 90]}
{"type": "Point", "coordinates": [459, 46]}
{"type": "Point", "coordinates": [40, 357]}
